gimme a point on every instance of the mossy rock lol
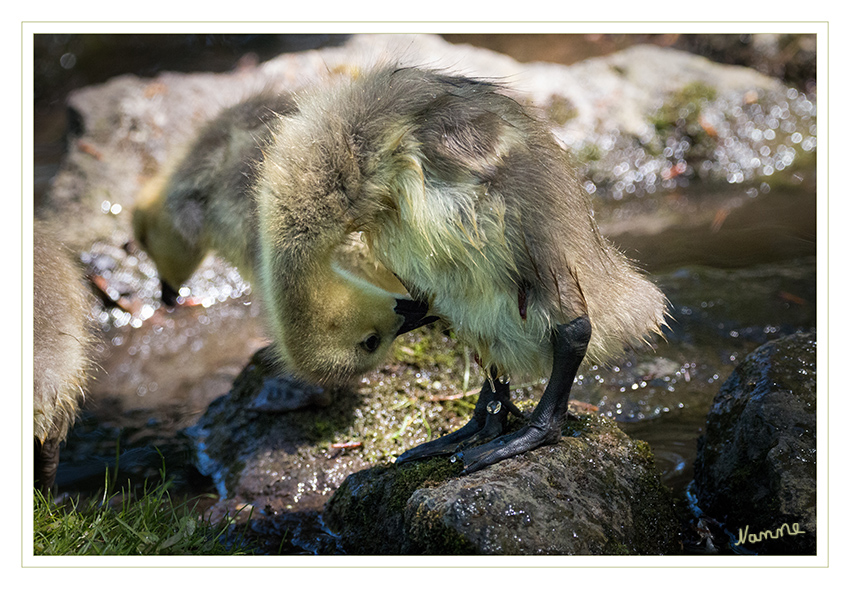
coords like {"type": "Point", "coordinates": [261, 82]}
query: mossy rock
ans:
{"type": "Point", "coordinates": [595, 492]}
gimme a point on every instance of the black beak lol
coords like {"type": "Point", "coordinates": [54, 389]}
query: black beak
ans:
{"type": "Point", "coordinates": [415, 314]}
{"type": "Point", "coordinates": [169, 295]}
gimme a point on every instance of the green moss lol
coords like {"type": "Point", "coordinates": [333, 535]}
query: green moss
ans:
{"type": "Point", "coordinates": [613, 548]}
{"type": "Point", "coordinates": [390, 487]}
{"type": "Point", "coordinates": [429, 535]}
{"type": "Point", "coordinates": [697, 91]}
{"type": "Point", "coordinates": [323, 429]}
{"type": "Point", "coordinates": [560, 110]}
{"type": "Point", "coordinates": [652, 529]}
{"type": "Point", "coordinates": [652, 516]}
{"type": "Point", "coordinates": [683, 108]}
{"type": "Point", "coordinates": [578, 427]}
{"type": "Point", "coordinates": [462, 408]}
{"type": "Point", "coordinates": [420, 473]}
{"type": "Point", "coordinates": [644, 452]}
{"type": "Point", "coordinates": [427, 347]}
{"type": "Point", "coordinates": [371, 505]}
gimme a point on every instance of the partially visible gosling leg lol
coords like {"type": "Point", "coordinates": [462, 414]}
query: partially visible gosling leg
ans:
{"type": "Point", "coordinates": [570, 344]}
{"type": "Point", "coordinates": [46, 463]}
{"type": "Point", "coordinates": [488, 421]}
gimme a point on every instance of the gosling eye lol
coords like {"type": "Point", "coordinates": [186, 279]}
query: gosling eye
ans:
{"type": "Point", "coordinates": [371, 343]}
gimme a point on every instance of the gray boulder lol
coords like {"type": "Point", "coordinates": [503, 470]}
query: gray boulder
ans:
{"type": "Point", "coordinates": [756, 465]}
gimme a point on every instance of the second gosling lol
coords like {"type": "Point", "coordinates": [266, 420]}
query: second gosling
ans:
{"type": "Point", "coordinates": [202, 202]}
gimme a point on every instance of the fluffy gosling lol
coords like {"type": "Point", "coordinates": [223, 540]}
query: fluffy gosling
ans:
{"type": "Point", "coordinates": [467, 198]}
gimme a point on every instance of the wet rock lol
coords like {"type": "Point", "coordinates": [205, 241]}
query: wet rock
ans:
{"type": "Point", "coordinates": [265, 443]}
{"type": "Point", "coordinates": [755, 469]}
{"type": "Point", "coordinates": [285, 465]}
{"type": "Point", "coordinates": [596, 492]}
{"type": "Point", "coordinates": [282, 392]}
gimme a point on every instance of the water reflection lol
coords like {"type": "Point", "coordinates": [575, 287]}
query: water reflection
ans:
{"type": "Point", "coordinates": [738, 139]}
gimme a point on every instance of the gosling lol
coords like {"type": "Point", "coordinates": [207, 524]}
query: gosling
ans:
{"type": "Point", "coordinates": [468, 199]}
{"type": "Point", "coordinates": [202, 203]}
{"type": "Point", "coordinates": [61, 350]}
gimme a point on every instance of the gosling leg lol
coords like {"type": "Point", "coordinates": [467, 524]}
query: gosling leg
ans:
{"type": "Point", "coordinates": [168, 294]}
{"type": "Point", "coordinates": [488, 421]}
{"type": "Point", "coordinates": [570, 345]}
{"type": "Point", "coordinates": [46, 464]}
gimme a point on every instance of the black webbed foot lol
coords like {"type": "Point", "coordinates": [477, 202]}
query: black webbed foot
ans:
{"type": "Point", "coordinates": [570, 344]}
{"type": "Point", "coordinates": [527, 438]}
{"type": "Point", "coordinates": [488, 421]}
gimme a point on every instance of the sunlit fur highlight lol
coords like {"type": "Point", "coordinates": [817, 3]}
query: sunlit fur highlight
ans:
{"type": "Point", "coordinates": [465, 196]}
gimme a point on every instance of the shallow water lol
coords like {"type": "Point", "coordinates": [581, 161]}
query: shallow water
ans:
{"type": "Point", "coordinates": [731, 289]}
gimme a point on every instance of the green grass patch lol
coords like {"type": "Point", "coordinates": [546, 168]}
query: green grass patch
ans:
{"type": "Point", "coordinates": [148, 522]}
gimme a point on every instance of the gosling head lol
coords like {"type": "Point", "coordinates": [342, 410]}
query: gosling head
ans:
{"type": "Point", "coordinates": [340, 326]}
{"type": "Point", "coordinates": [175, 256]}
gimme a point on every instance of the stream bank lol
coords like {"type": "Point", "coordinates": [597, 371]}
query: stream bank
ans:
{"type": "Point", "coordinates": [720, 210]}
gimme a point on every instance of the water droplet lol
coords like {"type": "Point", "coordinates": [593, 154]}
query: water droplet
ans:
{"type": "Point", "coordinates": [68, 60]}
{"type": "Point", "coordinates": [493, 407]}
